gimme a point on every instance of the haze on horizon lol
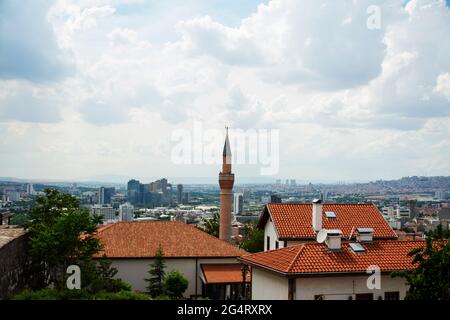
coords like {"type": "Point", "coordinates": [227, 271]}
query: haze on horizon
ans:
{"type": "Point", "coordinates": [92, 88]}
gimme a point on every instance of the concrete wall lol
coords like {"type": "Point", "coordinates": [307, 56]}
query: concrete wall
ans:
{"type": "Point", "coordinates": [134, 271]}
{"type": "Point", "coordinates": [13, 259]}
{"type": "Point", "coordinates": [268, 286]}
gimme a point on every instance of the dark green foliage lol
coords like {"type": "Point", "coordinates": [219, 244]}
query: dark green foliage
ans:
{"type": "Point", "coordinates": [211, 225]}
{"type": "Point", "coordinates": [175, 284]}
{"type": "Point", "coordinates": [439, 233]}
{"type": "Point", "coordinates": [98, 276]}
{"type": "Point", "coordinates": [253, 240]}
{"type": "Point", "coordinates": [431, 278]}
{"type": "Point", "coordinates": [60, 235]}
{"type": "Point", "coordinates": [53, 294]}
{"type": "Point", "coordinates": [156, 281]}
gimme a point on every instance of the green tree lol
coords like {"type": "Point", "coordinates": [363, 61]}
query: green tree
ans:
{"type": "Point", "coordinates": [211, 225]}
{"type": "Point", "coordinates": [439, 233]}
{"type": "Point", "coordinates": [156, 281]}
{"type": "Point", "coordinates": [175, 284]}
{"type": "Point", "coordinates": [431, 278]}
{"type": "Point", "coordinates": [60, 234]}
{"type": "Point", "coordinates": [253, 240]}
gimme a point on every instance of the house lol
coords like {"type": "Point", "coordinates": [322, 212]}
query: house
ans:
{"type": "Point", "coordinates": [331, 270]}
{"type": "Point", "coordinates": [287, 224]}
{"type": "Point", "coordinates": [209, 264]}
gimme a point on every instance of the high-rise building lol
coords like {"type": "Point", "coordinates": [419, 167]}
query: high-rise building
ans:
{"type": "Point", "coordinates": [293, 183]}
{"type": "Point", "coordinates": [30, 189]}
{"type": "Point", "coordinates": [226, 182]}
{"type": "Point", "coordinates": [107, 212]}
{"type": "Point", "coordinates": [126, 212]}
{"type": "Point", "coordinates": [105, 195]}
{"type": "Point", "coordinates": [180, 194]}
{"type": "Point", "coordinates": [238, 203]}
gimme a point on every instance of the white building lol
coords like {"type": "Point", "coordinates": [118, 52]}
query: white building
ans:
{"type": "Point", "coordinates": [238, 203]}
{"type": "Point", "coordinates": [107, 212]}
{"type": "Point", "coordinates": [332, 270]}
{"type": "Point", "coordinates": [209, 264]}
{"type": "Point", "coordinates": [324, 251]}
{"type": "Point", "coordinates": [126, 212]}
{"type": "Point", "coordinates": [12, 195]}
{"type": "Point", "coordinates": [30, 189]}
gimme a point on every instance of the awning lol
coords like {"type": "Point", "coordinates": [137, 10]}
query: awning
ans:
{"type": "Point", "coordinates": [224, 273]}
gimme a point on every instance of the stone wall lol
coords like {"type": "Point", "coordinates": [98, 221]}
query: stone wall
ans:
{"type": "Point", "coordinates": [13, 259]}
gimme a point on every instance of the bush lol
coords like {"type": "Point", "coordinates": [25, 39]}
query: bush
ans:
{"type": "Point", "coordinates": [52, 294]}
{"type": "Point", "coordinates": [175, 284]}
{"type": "Point", "coordinates": [121, 295]}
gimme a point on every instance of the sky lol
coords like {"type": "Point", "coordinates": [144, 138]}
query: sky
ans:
{"type": "Point", "coordinates": [95, 88]}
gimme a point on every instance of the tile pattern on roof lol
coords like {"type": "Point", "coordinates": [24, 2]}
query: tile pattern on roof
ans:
{"type": "Point", "coordinates": [389, 255]}
{"type": "Point", "coordinates": [141, 240]}
{"type": "Point", "coordinates": [295, 220]}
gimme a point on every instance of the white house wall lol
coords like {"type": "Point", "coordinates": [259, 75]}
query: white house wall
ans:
{"type": "Point", "coordinates": [269, 231]}
{"type": "Point", "coordinates": [268, 286]}
{"type": "Point", "coordinates": [134, 271]}
{"type": "Point", "coordinates": [337, 288]}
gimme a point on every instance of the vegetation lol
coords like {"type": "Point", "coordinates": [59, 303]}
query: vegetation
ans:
{"type": "Point", "coordinates": [65, 294]}
{"type": "Point", "coordinates": [156, 281]}
{"type": "Point", "coordinates": [175, 284]}
{"type": "Point", "coordinates": [61, 234]}
{"type": "Point", "coordinates": [253, 240]}
{"type": "Point", "coordinates": [164, 286]}
{"type": "Point", "coordinates": [431, 278]}
{"type": "Point", "coordinates": [211, 225]}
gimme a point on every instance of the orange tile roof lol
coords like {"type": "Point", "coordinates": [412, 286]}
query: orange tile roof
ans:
{"type": "Point", "coordinates": [140, 239]}
{"type": "Point", "coordinates": [224, 273]}
{"type": "Point", "coordinates": [294, 221]}
{"type": "Point", "coordinates": [313, 258]}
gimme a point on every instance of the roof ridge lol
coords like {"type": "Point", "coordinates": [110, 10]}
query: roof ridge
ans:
{"type": "Point", "coordinates": [295, 258]}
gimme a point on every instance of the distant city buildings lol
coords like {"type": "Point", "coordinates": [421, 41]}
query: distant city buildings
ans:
{"type": "Point", "coordinates": [156, 193]}
{"type": "Point", "coordinates": [180, 194]}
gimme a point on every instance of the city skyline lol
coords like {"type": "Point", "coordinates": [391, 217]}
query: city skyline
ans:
{"type": "Point", "coordinates": [104, 84]}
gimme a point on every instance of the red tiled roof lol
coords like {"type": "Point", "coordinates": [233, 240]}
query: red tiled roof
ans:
{"type": "Point", "coordinates": [141, 240]}
{"type": "Point", "coordinates": [294, 221]}
{"type": "Point", "coordinates": [224, 273]}
{"type": "Point", "coordinates": [312, 258]}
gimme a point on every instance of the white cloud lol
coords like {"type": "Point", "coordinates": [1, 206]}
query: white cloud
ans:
{"type": "Point", "coordinates": [350, 102]}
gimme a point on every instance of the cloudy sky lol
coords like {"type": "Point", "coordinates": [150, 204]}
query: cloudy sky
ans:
{"type": "Point", "coordinates": [90, 88]}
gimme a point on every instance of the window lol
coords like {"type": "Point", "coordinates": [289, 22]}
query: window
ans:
{"type": "Point", "coordinates": [364, 296]}
{"type": "Point", "coordinates": [268, 243]}
{"type": "Point", "coordinates": [395, 295]}
{"type": "Point", "coordinates": [285, 244]}
{"type": "Point", "coordinates": [291, 289]}
{"type": "Point", "coordinates": [277, 245]}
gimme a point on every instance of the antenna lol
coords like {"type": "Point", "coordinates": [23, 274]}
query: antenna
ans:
{"type": "Point", "coordinates": [322, 236]}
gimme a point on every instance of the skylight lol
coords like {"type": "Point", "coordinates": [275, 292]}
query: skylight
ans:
{"type": "Point", "coordinates": [330, 214]}
{"type": "Point", "coordinates": [357, 247]}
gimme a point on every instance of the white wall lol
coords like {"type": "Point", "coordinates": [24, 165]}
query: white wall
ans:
{"type": "Point", "coordinates": [268, 286]}
{"type": "Point", "coordinates": [337, 288]}
{"type": "Point", "coordinates": [269, 230]}
{"type": "Point", "coordinates": [134, 271]}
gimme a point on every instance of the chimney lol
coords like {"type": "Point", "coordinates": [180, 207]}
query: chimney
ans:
{"type": "Point", "coordinates": [317, 215]}
{"type": "Point", "coordinates": [333, 240]}
{"type": "Point", "coordinates": [364, 235]}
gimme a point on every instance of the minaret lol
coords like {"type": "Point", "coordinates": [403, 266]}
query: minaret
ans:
{"type": "Point", "coordinates": [226, 181]}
